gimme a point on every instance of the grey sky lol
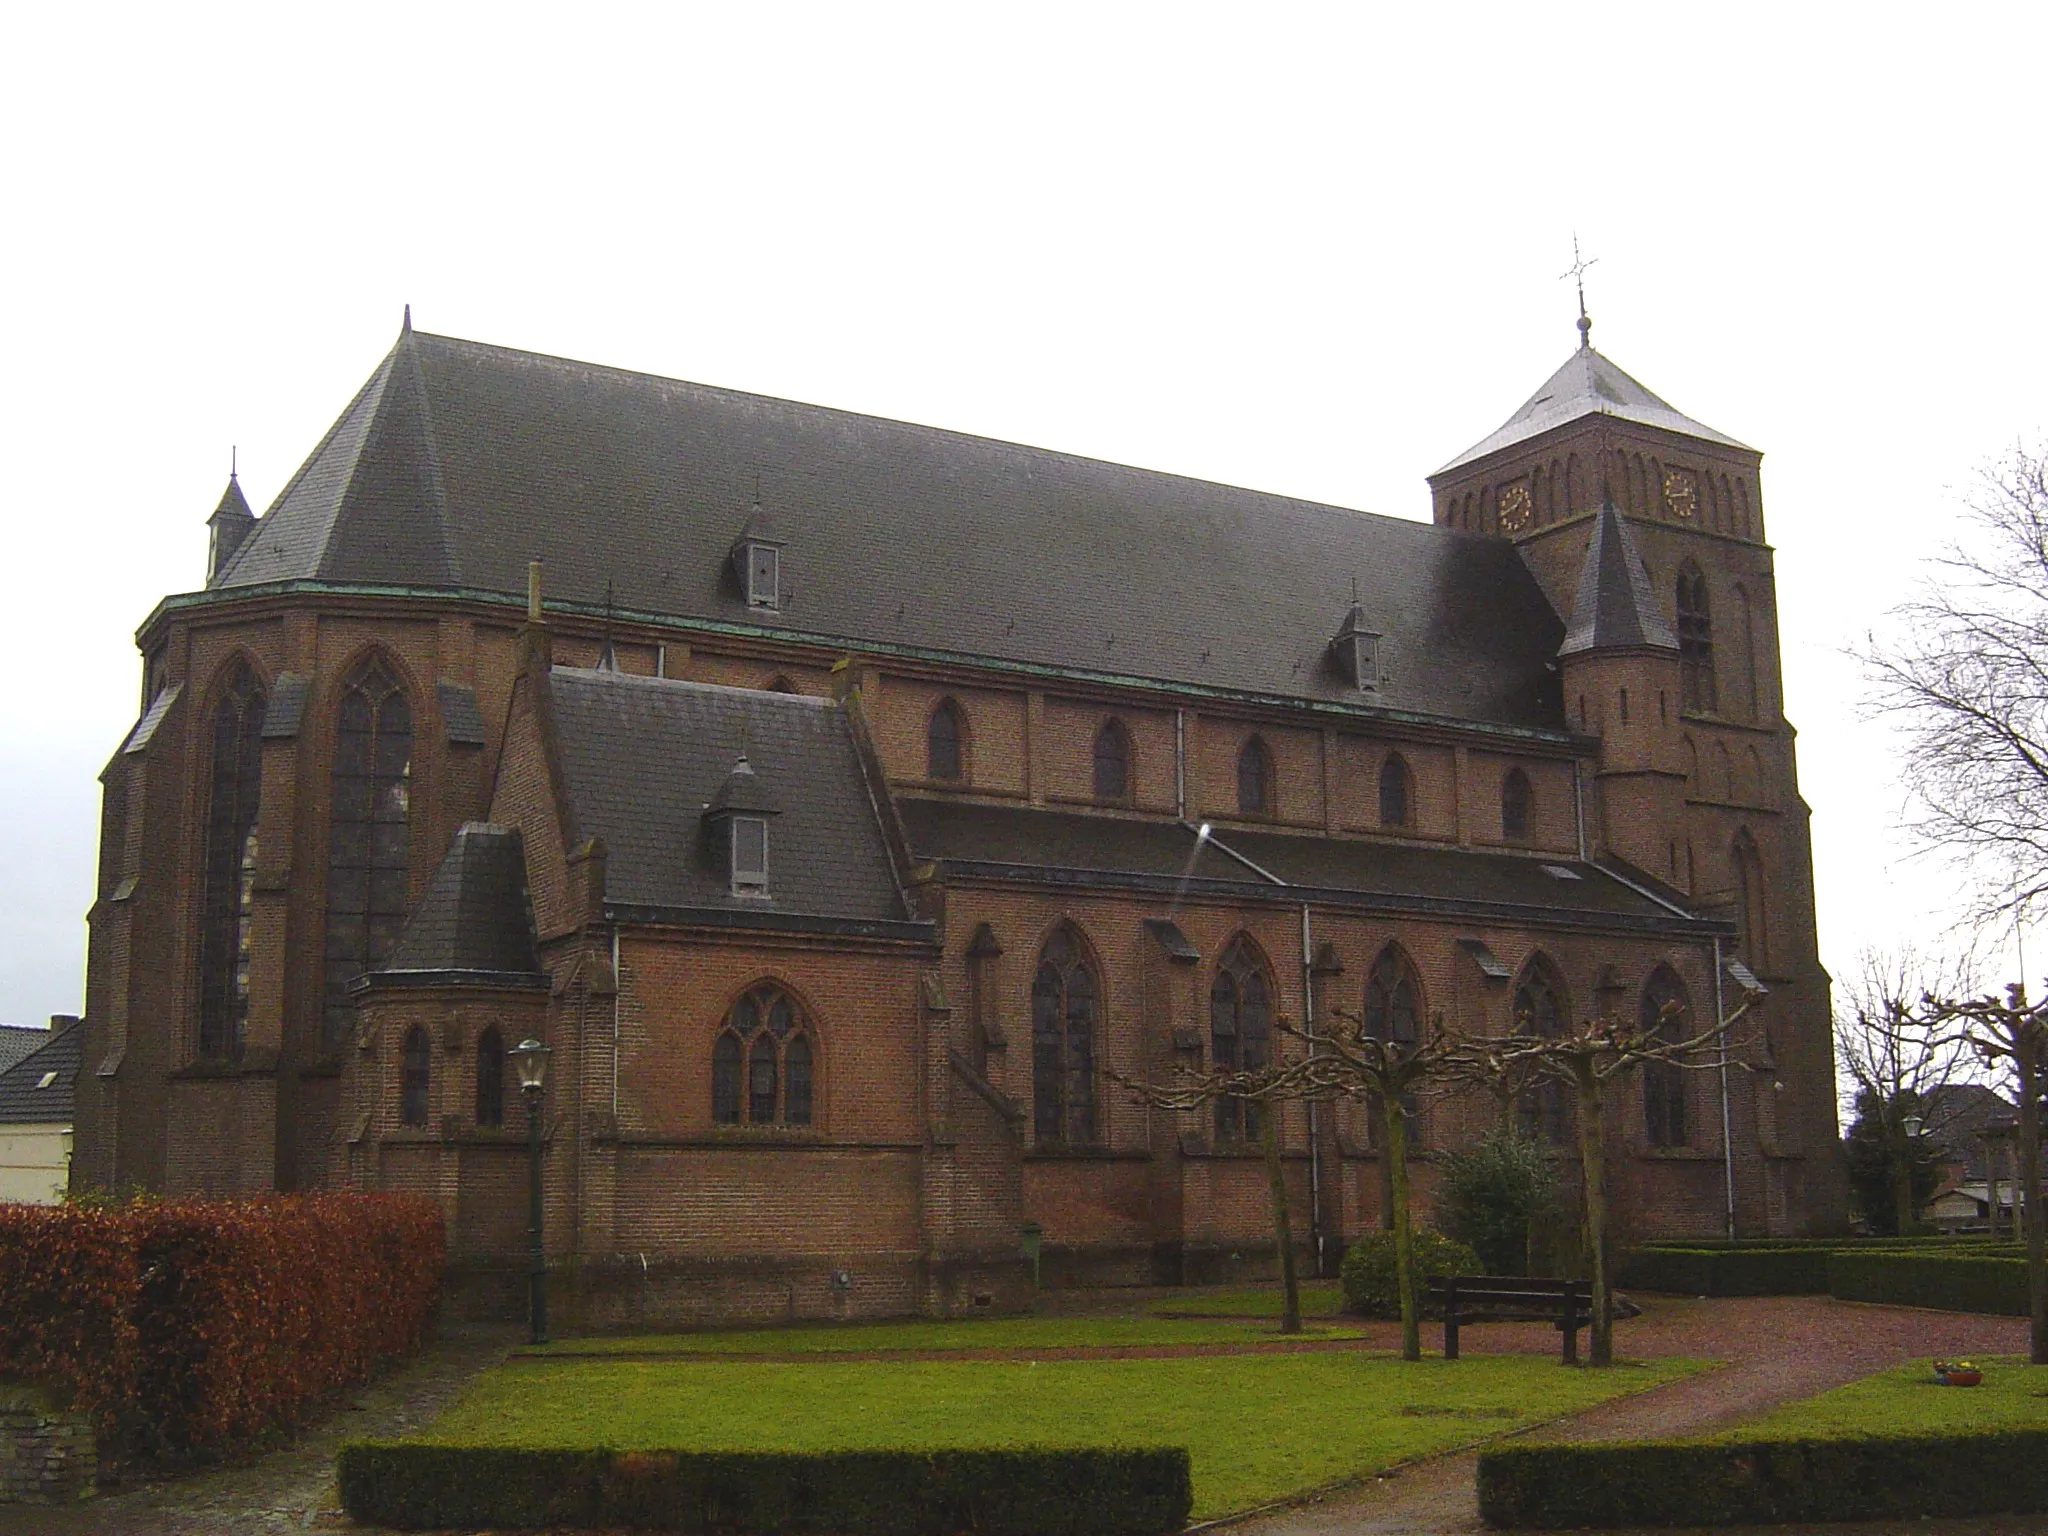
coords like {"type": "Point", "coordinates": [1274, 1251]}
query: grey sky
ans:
{"type": "Point", "coordinates": [1311, 250]}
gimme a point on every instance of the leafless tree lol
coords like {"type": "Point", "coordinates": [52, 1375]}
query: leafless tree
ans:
{"type": "Point", "coordinates": [1967, 682]}
{"type": "Point", "coordinates": [1348, 1064]}
{"type": "Point", "coordinates": [1895, 1060]}
{"type": "Point", "coordinates": [1589, 1060]}
{"type": "Point", "coordinates": [2010, 1036]}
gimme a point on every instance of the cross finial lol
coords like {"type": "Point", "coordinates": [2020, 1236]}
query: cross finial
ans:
{"type": "Point", "coordinates": [1577, 273]}
{"type": "Point", "coordinates": [234, 461]}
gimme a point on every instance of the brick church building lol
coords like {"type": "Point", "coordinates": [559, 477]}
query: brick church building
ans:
{"type": "Point", "coordinates": [826, 792]}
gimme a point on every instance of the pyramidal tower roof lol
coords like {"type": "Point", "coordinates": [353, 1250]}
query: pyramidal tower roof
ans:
{"type": "Point", "coordinates": [1589, 384]}
{"type": "Point", "coordinates": [1615, 609]}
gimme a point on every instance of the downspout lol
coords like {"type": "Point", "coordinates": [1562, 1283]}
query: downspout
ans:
{"type": "Point", "coordinates": [1308, 1024]}
{"type": "Point", "coordinates": [617, 988]}
{"type": "Point", "coordinates": [1579, 805]}
{"type": "Point", "coordinates": [1727, 1125]}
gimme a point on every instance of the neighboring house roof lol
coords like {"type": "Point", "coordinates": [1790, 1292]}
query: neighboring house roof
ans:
{"type": "Point", "coordinates": [1076, 849]}
{"type": "Point", "coordinates": [17, 1040]}
{"type": "Point", "coordinates": [475, 921]}
{"type": "Point", "coordinates": [39, 1088]}
{"type": "Point", "coordinates": [457, 463]}
{"type": "Point", "coordinates": [1957, 1114]}
{"type": "Point", "coordinates": [644, 758]}
{"type": "Point", "coordinates": [1615, 609]}
{"type": "Point", "coordinates": [1589, 384]}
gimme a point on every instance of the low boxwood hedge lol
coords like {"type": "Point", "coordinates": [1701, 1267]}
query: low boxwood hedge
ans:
{"type": "Point", "coordinates": [1727, 1271]}
{"type": "Point", "coordinates": [1091, 1491]}
{"type": "Point", "coordinates": [1722, 1482]}
{"type": "Point", "coordinates": [1949, 1283]}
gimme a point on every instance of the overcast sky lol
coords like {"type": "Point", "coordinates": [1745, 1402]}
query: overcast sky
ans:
{"type": "Point", "coordinates": [1310, 250]}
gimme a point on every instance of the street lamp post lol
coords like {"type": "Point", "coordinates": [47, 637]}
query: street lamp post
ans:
{"type": "Point", "coordinates": [531, 1058]}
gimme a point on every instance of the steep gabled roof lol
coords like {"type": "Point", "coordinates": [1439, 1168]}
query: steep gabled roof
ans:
{"type": "Point", "coordinates": [458, 463]}
{"type": "Point", "coordinates": [644, 757]}
{"type": "Point", "coordinates": [19, 1040]}
{"type": "Point", "coordinates": [1589, 384]}
{"type": "Point", "coordinates": [24, 1098]}
{"type": "Point", "coordinates": [1615, 609]}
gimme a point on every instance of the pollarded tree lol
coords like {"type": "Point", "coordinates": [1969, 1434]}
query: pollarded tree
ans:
{"type": "Point", "coordinates": [1588, 1061]}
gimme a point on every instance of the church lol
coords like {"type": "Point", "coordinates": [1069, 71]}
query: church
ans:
{"type": "Point", "coordinates": [856, 808]}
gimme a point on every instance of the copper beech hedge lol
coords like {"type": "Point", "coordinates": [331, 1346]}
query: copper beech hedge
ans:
{"type": "Point", "coordinates": [186, 1328]}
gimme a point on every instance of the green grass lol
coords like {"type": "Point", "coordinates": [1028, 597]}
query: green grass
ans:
{"type": "Point", "coordinates": [980, 1333]}
{"type": "Point", "coordinates": [1319, 1298]}
{"type": "Point", "coordinates": [1909, 1401]}
{"type": "Point", "coordinates": [1259, 1427]}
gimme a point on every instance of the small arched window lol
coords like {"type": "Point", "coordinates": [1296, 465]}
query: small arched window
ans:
{"type": "Point", "coordinates": [1695, 642]}
{"type": "Point", "coordinates": [1240, 1031]}
{"type": "Point", "coordinates": [943, 739]}
{"type": "Point", "coordinates": [229, 872]}
{"type": "Point", "coordinates": [1397, 792]}
{"type": "Point", "coordinates": [369, 835]}
{"type": "Point", "coordinates": [1113, 763]}
{"type": "Point", "coordinates": [1545, 1108]}
{"type": "Point", "coordinates": [490, 1078]}
{"type": "Point", "coordinates": [1517, 806]}
{"type": "Point", "coordinates": [780, 683]}
{"type": "Point", "coordinates": [1749, 890]}
{"type": "Point", "coordinates": [762, 1062]}
{"type": "Point", "coordinates": [1255, 779]}
{"type": "Point", "coordinates": [416, 1063]}
{"type": "Point", "coordinates": [1665, 1017]}
{"type": "Point", "coordinates": [1065, 997]}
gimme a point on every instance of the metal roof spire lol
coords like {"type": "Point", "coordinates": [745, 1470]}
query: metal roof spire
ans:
{"type": "Point", "coordinates": [1577, 273]}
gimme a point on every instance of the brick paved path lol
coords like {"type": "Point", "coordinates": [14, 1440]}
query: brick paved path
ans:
{"type": "Point", "coordinates": [1780, 1347]}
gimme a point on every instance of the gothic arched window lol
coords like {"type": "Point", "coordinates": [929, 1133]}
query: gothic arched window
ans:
{"type": "Point", "coordinates": [1113, 763]}
{"type": "Point", "coordinates": [1065, 998]}
{"type": "Point", "coordinates": [761, 1063]}
{"type": "Point", "coordinates": [490, 1077]}
{"type": "Point", "coordinates": [1695, 642]}
{"type": "Point", "coordinates": [942, 742]}
{"type": "Point", "coordinates": [229, 870]}
{"type": "Point", "coordinates": [415, 1064]}
{"type": "Point", "coordinates": [1752, 938]}
{"type": "Point", "coordinates": [1545, 1108]}
{"type": "Point", "coordinates": [1393, 1009]}
{"type": "Point", "coordinates": [1397, 791]}
{"type": "Point", "coordinates": [1517, 806]}
{"type": "Point", "coordinates": [1665, 1017]}
{"type": "Point", "coordinates": [1240, 1031]}
{"type": "Point", "coordinates": [1255, 779]}
{"type": "Point", "coordinates": [369, 835]}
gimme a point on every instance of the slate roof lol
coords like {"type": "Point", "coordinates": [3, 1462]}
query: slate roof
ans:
{"type": "Point", "coordinates": [1956, 1115]}
{"type": "Point", "coordinates": [475, 920]}
{"type": "Point", "coordinates": [1068, 848]}
{"type": "Point", "coordinates": [18, 1040]}
{"type": "Point", "coordinates": [22, 1102]}
{"type": "Point", "coordinates": [645, 756]}
{"type": "Point", "coordinates": [1589, 384]}
{"type": "Point", "coordinates": [458, 462]}
{"type": "Point", "coordinates": [1615, 609]}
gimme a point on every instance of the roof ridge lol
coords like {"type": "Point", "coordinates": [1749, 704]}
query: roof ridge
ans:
{"type": "Point", "coordinates": [433, 450]}
{"type": "Point", "coordinates": [691, 685]}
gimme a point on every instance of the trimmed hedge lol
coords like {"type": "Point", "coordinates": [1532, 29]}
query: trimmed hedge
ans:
{"type": "Point", "coordinates": [1723, 1482]}
{"type": "Point", "coordinates": [187, 1327]}
{"type": "Point", "coordinates": [1946, 1283]}
{"type": "Point", "coordinates": [1020, 1492]}
{"type": "Point", "coordinates": [1727, 1271]}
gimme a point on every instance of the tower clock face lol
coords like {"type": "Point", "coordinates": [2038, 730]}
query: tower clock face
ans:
{"type": "Point", "coordinates": [1681, 495]}
{"type": "Point", "coordinates": [1514, 509]}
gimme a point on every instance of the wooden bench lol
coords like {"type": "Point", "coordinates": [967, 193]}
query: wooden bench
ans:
{"type": "Point", "coordinates": [1565, 1304]}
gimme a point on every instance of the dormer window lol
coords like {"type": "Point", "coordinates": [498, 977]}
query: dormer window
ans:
{"type": "Point", "coordinates": [764, 575]}
{"type": "Point", "coordinates": [750, 856]}
{"type": "Point", "coordinates": [736, 823]}
{"type": "Point", "coordinates": [1356, 650]}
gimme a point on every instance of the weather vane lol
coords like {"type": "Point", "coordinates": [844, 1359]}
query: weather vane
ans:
{"type": "Point", "coordinates": [1577, 273]}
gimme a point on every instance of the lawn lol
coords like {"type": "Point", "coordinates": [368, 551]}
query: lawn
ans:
{"type": "Point", "coordinates": [1258, 1427]}
{"type": "Point", "coordinates": [980, 1333]}
{"type": "Point", "coordinates": [1909, 1401]}
{"type": "Point", "coordinates": [1319, 1298]}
